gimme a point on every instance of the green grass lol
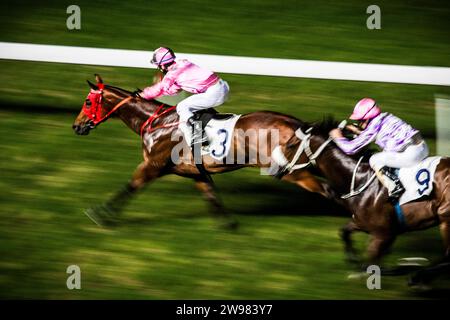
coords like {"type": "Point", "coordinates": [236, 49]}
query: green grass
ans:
{"type": "Point", "coordinates": [167, 245]}
{"type": "Point", "coordinates": [413, 32]}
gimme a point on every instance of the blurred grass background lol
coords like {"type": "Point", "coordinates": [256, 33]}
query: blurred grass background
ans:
{"type": "Point", "coordinates": [167, 245]}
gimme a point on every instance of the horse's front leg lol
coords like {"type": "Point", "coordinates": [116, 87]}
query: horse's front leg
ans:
{"type": "Point", "coordinates": [304, 179]}
{"type": "Point", "coordinates": [346, 236]}
{"type": "Point", "coordinates": [217, 208]}
{"type": "Point", "coordinates": [109, 212]}
{"type": "Point", "coordinates": [379, 245]}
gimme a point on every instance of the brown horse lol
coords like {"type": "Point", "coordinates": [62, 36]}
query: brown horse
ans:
{"type": "Point", "coordinates": [105, 101]}
{"type": "Point", "coordinates": [371, 211]}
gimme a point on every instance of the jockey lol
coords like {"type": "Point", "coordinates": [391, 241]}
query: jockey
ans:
{"type": "Point", "coordinates": [208, 89]}
{"type": "Point", "coordinates": [402, 145]}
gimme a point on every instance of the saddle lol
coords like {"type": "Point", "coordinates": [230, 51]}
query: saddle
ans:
{"type": "Point", "coordinates": [204, 116]}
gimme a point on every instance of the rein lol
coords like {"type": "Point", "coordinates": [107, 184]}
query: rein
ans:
{"type": "Point", "coordinates": [305, 147]}
{"type": "Point", "coordinates": [155, 116]}
{"type": "Point", "coordinates": [93, 108]}
{"type": "Point", "coordinates": [352, 186]}
{"type": "Point", "coordinates": [117, 106]}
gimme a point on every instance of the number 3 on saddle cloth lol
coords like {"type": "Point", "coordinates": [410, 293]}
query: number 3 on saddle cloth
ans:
{"type": "Point", "coordinates": [218, 128]}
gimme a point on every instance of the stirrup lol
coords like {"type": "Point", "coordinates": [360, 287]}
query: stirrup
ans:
{"type": "Point", "coordinates": [199, 139]}
{"type": "Point", "coordinates": [198, 136]}
{"type": "Point", "coordinates": [397, 192]}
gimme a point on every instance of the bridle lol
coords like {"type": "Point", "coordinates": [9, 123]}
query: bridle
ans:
{"type": "Point", "coordinates": [93, 109]}
{"type": "Point", "coordinates": [93, 106]}
{"type": "Point", "coordinates": [304, 147]}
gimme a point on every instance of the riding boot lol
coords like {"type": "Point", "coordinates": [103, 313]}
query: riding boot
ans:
{"type": "Point", "coordinates": [392, 182]}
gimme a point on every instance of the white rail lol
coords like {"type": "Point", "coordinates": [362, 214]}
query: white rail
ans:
{"type": "Point", "coordinates": [232, 64]}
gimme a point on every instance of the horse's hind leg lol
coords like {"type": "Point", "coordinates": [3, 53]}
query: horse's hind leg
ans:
{"type": "Point", "coordinates": [346, 236]}
{"type": "Point", "coordinates": [226, 219]}
{"type": "Point", "coordinates": [426, 275]}
{"type": "Point", "coordinates": [445, 233]}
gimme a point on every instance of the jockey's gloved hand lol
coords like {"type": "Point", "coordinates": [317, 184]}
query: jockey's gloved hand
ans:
{"type": "Point", "coordinates": [342, 124]}
{"type": "Point", "coordinates": [137, 93]}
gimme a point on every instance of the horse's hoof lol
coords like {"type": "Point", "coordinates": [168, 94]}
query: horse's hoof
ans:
{"type": "Point", "coordinates": [230, 225]}
{"type": "Point", "coordinates": [400, 270]}
{"type": "Point", "coordinates": [413, 262]}
{"type": "Point", "coordinates": [421, 288]}
{"type": "Point", "coordinates": [352, 258]}
{"type": "Point", "coordinates": [418, 286]}
{"type": "Point", "coordinates": [357, 276]}
{"type": "Point", "coordinates": [101, 216]}
{"type": "Point", "coordinates": [95, 216]}
{"type": "Point", "coordinates": [233, 225]}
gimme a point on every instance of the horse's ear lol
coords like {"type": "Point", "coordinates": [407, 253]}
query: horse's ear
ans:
{"type": "Point", "coordinates": [93, 86]}
{"type": "Point", "coordinates": [98, 78]}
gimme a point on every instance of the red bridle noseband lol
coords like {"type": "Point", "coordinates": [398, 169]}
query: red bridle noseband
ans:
{"type": "Point", "coordinates": [93, 107]}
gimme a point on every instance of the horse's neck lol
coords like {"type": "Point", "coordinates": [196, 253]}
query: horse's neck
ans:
{"type": "Point", "coordinates": [134, 114]}
{"type": "Point", "coordinates": [338, 169]}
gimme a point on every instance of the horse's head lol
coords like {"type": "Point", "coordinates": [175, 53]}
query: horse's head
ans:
{"type": "Point", "coordinates": [98, 106]}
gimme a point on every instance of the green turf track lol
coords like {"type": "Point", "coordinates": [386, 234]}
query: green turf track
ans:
{"type": "Point", "coordinates": [167, 246]}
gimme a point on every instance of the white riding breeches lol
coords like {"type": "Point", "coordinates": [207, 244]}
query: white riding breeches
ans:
{"type": "Point", "coordinates": [214, 96]}
{"type": "Point", "coordinates": [411, 156]}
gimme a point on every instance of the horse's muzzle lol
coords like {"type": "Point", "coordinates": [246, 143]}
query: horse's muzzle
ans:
{"type": "Point", "coordinates": [81, 130]}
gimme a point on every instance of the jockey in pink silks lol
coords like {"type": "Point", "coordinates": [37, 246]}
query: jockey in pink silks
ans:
{"type": "Point", "coordinates": [207, 88]}
{"type": "Point", "coordinates": [402, 145]}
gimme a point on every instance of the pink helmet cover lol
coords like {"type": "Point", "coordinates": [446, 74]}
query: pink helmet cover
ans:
{"type": "Point", "coordinates": [366, 108]}
{"type": "Point", "coordinates": [162, 56]}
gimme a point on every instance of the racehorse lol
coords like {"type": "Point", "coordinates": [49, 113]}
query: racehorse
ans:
{"type": "Point", "coordinates": [158, 122]}
{"type": "Point", "coordinates": [371, 211]}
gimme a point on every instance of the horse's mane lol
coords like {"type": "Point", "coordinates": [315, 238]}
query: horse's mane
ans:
{"type": "Point", "coordinates": [322, 128]}
{"type": "Point", "coordinates": [129, 93]}
{"type": "Point", "coordinates": [118, 89]}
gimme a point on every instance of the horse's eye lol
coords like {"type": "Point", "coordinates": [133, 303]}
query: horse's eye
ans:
{"type": "Point", "coordinates": [88, 103]}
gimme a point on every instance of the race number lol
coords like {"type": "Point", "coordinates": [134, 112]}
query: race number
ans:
{"type": "Point", "coordinates": [423, 178]}
{"type": "Point", "coordinates": [223, 143]}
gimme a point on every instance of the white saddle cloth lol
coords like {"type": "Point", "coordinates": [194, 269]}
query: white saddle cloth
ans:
{"type": "Point", "coordinates": [220, 133]}
{"type": "Point", "coordinates": [418, 180]}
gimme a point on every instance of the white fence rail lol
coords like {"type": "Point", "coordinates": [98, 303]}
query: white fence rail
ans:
{"type": "Point", "coordinates": [232, 64]}
{"type": "Point", "coordinates": [442, 125]}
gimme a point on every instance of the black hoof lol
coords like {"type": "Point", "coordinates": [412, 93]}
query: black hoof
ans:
{"type": "Point", "coordinates": [352, 258]}
{"type": "Point", "coordinates": [102, 216]}
{"type": "Point", "coordinates": [415, 283]}
{"type": "Point", "coordinates": [233, 225]}
{"type": "Point", "coordinates": [230, 225]}
{"type": "Point", "coordinates": [399, 270]}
